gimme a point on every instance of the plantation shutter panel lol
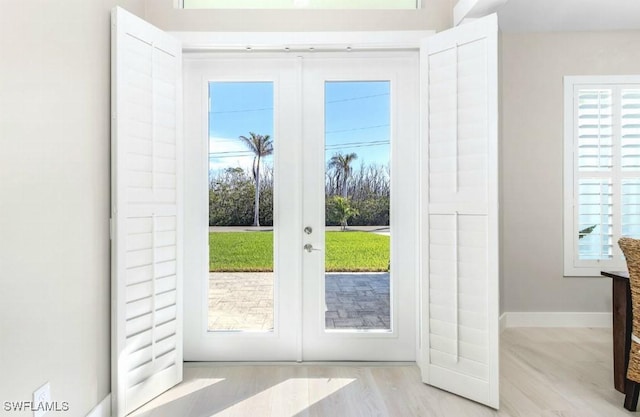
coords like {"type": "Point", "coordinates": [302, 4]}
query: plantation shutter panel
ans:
{"type": "Point", "coordinates": [146, 212]}
{"type": "Point", "coordinates": [459, 244]}
{"type": "Point", "coordinates": [630, 160]}
{"type": "Point", "coordinates": [595, 133]}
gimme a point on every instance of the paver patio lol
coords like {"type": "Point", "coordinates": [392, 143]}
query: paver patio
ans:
{"type": "Point", "coordinates": [244, 301]}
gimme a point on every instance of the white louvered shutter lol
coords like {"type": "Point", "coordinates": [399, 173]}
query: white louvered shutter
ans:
{"type": "Point", "coordinates": [460, 335]}
{"type": "Point", "coordinates": [605, 167]}
{"type": "Point", "coordinates": [594, 110]}
{"type": "Point", "coordinates": [146, 212]}
{"type": "Point", "coordinates": [630, 161]}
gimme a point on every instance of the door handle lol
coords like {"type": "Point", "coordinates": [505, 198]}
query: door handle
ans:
{"type": "Point", "coordinates": [309, 248]}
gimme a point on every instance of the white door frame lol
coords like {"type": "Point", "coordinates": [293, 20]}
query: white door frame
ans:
{"type": "Point", "coordinates": [301, 41]}
{"type": "Point", "coordinates": [400, 344]}
{"type": "Point", "coordinates": [202, 42]}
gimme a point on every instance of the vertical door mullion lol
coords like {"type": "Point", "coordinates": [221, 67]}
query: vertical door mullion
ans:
{"type": "Point", "coordinates": [300, 205]}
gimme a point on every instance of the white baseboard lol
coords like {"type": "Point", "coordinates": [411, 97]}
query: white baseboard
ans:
{"type": "Point", "coordinates": [103, 409]}
{"type": "Point", "coordinates": [554, 319]}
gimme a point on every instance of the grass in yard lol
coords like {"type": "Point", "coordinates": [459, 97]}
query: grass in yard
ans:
{"type": "Point", "coordinates": [241, 251]}
{"type": "Point", "coordinates": [356, 252]}
{"type": "Point", "coordinates": [253, 252]}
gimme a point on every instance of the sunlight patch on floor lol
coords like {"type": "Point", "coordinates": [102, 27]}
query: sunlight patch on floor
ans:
{"type": "Point", "coordinates": [287, 398]}
{"type": "Point", "coordinates": [180, 391]}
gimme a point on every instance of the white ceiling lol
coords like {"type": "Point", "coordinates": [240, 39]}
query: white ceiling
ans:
{"type": "Point", "coordinates": [569, 15]}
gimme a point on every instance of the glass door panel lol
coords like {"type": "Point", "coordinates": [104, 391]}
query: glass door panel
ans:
{"type": "Point", "coordinates": [241, 146]}
{"type": "Point", "coordinates": [357, 204]}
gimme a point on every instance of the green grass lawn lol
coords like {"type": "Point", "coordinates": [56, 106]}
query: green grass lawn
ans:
{"type": "Point", "coordinates": [253, 251]}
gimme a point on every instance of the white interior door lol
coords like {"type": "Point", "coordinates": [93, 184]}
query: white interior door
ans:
{"type": "Point", "coordinates": [460, 248]}
{"type": "Point", "coordinates": [364, 105]}
{"type": "Point", "coordinates": [146, 212]}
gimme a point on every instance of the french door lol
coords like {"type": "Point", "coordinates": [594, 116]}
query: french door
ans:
{"type": "Point", "coordinates": [315, 309]}
{"type": "Point", "coordinates": [217, 91]}
{"type": "Point", "coordinates": [352, 107]}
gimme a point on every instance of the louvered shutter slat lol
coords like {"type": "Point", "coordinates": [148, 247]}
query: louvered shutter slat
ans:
{"type": "Point", "coordinates": [631, 207]}
{"type": "Point", "coordinates": [630, 129]}
{"type": "Point", "coordinates": [595, 208]}
{"type": "Point", "coordinates": [595, 130]}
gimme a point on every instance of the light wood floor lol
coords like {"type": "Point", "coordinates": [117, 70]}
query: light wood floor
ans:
{"type": "Point", "coordinates": [544, 372]}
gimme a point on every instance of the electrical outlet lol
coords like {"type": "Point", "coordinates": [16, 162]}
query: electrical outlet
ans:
{"type": "Point", "coordinates": [41, 397]}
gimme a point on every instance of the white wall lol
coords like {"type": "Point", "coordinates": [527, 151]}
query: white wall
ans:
{"type": "Point", "coordinates": [54, 199]}
{"type": "Point", "coordinates": [435, 15]}
{"type": "Point", "coordinates": [533, 66]}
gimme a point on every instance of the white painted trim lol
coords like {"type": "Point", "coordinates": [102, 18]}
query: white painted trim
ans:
{"type": "Point", "coordinates": [555, 319]}
{"type": "Point", "coordinates": [362, 5]}
{"type": "Point", "coordinates": [298, 41]}
{"type": "Point", "coordinates": [103, 409]}
{"type": "Point", "coordinates": [602, 79]}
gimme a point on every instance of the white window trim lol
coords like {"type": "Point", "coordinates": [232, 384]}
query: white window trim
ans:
{"type": "Point", "coordinates": [310, 4]}
{"type": "Point", "coordinates": [573, 267]}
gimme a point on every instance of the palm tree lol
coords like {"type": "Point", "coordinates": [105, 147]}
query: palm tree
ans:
{"type": "Point", "coordinates": [340, 210]}
{"type": "Point", "coordinates": [261, 146]}
{"type": "Point", "coordinates": [341, 163]}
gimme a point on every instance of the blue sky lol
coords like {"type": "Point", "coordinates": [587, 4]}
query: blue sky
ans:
{"type": "Point", "coordinates": [357, 119]}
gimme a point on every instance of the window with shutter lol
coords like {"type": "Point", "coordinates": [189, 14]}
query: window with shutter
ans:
{"type": "Point", "coordinates": [602, 171]}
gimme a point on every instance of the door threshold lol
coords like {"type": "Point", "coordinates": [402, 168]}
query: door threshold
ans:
{"type": "Point", "coordinates": [369, 364]}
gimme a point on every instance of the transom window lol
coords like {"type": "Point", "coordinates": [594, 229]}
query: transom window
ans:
{"type": "Point", "coordinates": [602, 171]}
{"type": "Point", "coordinates": [298, 4]}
